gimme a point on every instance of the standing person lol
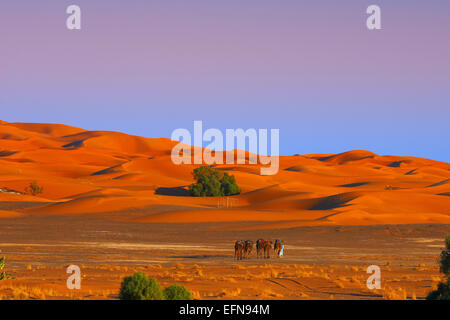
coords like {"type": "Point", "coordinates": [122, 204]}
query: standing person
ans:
{"type": "Point", "coordinates": [281, 251]}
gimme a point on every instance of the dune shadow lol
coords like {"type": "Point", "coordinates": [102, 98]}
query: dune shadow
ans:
{"type": "Point", "coordinates": [439, 183]}
{"type": "Point", "coordinates": [17, 205]}
{"type": "Point", "coordinates": [333, 202]}
{"type": "Point", "coordinates": [296, 169]}
{"type": "Point", "coordinates": [7, 153]}
{"type": "Point", "coordinates": [326, 158]}
{"type": "Point", "coordinates": [114, 169]}
{"type": "Point", "coordinates": [174, 191]}
{"type": "Point", "coordinates": [413, 171]}
{"type": "Point", "coordinates": [74, 145]}
{"type": "Point", "coordinates": [353, 185]}
{"type": "Point", "coordinates": [395, 164]}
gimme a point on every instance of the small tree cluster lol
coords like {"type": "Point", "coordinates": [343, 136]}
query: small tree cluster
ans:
{"type": "Point", "coordinates": [177, 292]}
{"type": "Point", "coordinates": [140, 287]}
{"type": "Point", "coordinates": [3, 274]}
{"type": "Point", "coordinates": [212, 183]}
{"type": "Point", "coordinates": [443, 290]}
{"type": "Point", "coordinates": [2, 265]}
{"type": "Point", "coordinates": [445, 258]}
{"type": "Point", "coordinates": [34, 189]}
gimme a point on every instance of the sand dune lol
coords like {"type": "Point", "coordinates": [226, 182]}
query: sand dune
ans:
{"type": "Point", "coordinates": [55, 130]}
{"type": "Point", "coordinates": [119, 176]}
{"type": "Point", "coordinates": [349, 156]}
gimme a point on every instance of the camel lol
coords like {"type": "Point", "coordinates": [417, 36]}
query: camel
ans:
{"type": "Point", "coordinates": [263, 248]}
{"type": "Point", "coordinates": [267, 248]}
{"type": "Point", "coordinates": [239, 246]}
{"type": "Point", "coordinates": [248, 247]}
{"type": "Point", "coordinates": [259, 247]}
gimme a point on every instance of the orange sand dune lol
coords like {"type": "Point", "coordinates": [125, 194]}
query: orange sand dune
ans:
{"type": "Point", "coordinates": [119, 176]}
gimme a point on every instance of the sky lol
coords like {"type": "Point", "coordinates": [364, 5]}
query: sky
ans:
{"type": "Point", "coordinates": [309, 68]}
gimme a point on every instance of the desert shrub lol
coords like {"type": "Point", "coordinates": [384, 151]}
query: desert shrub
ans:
{"type": "Point", "coordinates": [206, 186]}
{"type": "Point", "coordinates": [177, 292]}
{"type": "Point", "coordinates": [443, 290]}
{"type": "Point", "coordinates": [229, 186]}
{"type": "Point", "coordinates": [445, 258]}
{"type": "Point", "coordinates": [206, 171]}
{"type": "Point", "coordinates": [441, 293]}
{"type": "Point", "coordinates": [3, 274]}
{"type": "Point", "coordinates": [212, 183]}
{"type": "Point", "coordinates": [34, 188]}
{"type": "Point", "coordinates": [140, 287]}
{"type": "Point", "coordinates": [2, 265]}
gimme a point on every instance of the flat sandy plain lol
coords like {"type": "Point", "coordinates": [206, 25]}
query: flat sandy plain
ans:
{"type": "Point", "coordinates": [115, 204]}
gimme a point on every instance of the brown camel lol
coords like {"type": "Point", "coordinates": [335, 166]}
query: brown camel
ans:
{"type": "Point", "coordinates": [259, 248]}
{"type": "Point", "coordinates": [239, 249]}
{"type": "Point", "coordinates": [267, 248]}
{"type": "Point", "coordinates": [248, 247]}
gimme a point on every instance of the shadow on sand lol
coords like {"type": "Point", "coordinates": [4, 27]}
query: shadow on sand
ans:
{"type": "Point", "coordinates": [175, 191]}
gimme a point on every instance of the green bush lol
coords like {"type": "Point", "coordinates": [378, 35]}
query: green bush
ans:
{"type": "Point", "coordinates": [206, 171]}
{"type": "Point", "coordinates": [212, 183]}
{"type": "Point", "coordinates": [34, 189]}
{"type": "Point", "coordinates": [229, 186]}
{"type": "Point", "coordinates": [177, 292]}
{"type": "Point", "coordinates": [445, 258]}
{"type": "Point", "coordinates": [140, 287]}
{"type": "Point", "coordinates": [443, 290]}
{"type": "Point", "coordinates": [208, 186]}
{"type": "Point", "coordinates": [2, 265]}
{"type": "Point", "coordinates": [3, 274]}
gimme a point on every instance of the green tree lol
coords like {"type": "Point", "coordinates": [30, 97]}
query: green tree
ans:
{"type": "Point", "coordinates": [177, 292]}
{"type": "Point", "coordinates": [443, 290]}
{"type": "Point", "coordinates": [140, 287]}
{"type": "Point", "coordinates": [211, 182]}
{"type": "Point", "coordinates": [34, 188]}
{"type": "Point", "coordinates": [229, 186]}
{"type": "Point", "coordinates": [445, 258]}
{"type": "Point", "coordinates": [206, 171]}
{"type": "Point", "coordinates": [206, 186]}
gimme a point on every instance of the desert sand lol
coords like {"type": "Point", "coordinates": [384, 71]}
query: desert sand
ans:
{"type": "Point", "coordinates": [105, 191]}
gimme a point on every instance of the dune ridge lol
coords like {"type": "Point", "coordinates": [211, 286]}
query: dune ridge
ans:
{"type": "Point", "coordinates": [120, 176]}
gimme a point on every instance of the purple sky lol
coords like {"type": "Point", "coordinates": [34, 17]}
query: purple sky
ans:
{"type": "Point", "coordinates": [309, 68]}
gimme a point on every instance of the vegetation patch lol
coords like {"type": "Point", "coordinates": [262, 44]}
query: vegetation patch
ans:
{"type": "Point", "coordinates": [140, 287]}
{"type": "Point", "coordinates": [211, 182]}
{"type": "Point", "coordinates": [443, 290]}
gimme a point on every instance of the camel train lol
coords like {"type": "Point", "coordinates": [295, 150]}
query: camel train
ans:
{"type": "Point", "coordinates": [243, 248]}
